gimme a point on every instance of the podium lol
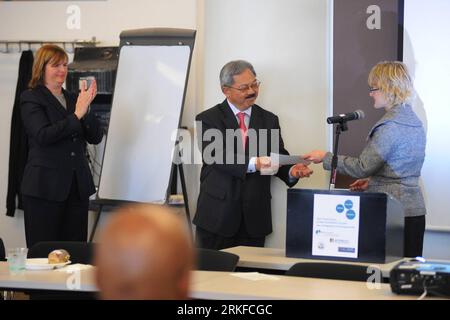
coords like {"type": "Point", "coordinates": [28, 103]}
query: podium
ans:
{"type": "Point", "coordinates": [343, 225]}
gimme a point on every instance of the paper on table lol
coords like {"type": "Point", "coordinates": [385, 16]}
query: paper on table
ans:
{"type": "Point", "coordinates": [75, 267]}
{"type": "Point", "coordinates": [282, 159]}
{"type": "Point", "coordinates": [254, 276]}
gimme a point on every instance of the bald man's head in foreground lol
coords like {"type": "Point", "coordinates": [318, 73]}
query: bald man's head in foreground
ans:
{"type": "Point", "coordinates": [144, 252]}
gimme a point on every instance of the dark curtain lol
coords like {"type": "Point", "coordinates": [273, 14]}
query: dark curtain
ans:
{"type": "Point", "coordinates": [18, 150]}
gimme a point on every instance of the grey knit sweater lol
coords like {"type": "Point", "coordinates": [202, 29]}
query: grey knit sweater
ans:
{"type": "Point", "coordinates": [392, 158]}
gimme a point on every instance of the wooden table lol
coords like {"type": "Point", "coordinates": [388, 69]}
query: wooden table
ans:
{"type": "Point", "coordinates": [212, 285]}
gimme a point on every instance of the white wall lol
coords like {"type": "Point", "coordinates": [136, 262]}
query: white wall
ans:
{"type": "Point", "coordinates": [102, 19]}
{"type": "Point", "coordinates": [286, 41]}
{"type": "Point", "coordinates": [11, 229]}
{"type": "Point", "coordinates": [426, 48]}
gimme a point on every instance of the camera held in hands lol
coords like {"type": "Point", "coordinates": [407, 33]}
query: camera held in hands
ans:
{"type": "Point", "coordinates": [85, 82]}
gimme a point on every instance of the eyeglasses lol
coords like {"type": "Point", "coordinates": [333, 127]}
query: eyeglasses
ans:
{"type": "Point", "coordinates": [371, 89]}
{"type": "Point", "coordinates": [245, 87]}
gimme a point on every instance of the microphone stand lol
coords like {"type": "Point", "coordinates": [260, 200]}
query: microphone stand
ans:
{"type": "Point", "coordinates": [340, 127]}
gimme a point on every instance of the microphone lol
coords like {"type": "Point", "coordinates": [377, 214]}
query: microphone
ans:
{"type": "Point", "coordinates": [355, 115]}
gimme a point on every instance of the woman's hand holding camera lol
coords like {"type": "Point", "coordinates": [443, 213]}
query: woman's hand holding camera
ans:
{"type": "Point", "coordinates": [85, 98]}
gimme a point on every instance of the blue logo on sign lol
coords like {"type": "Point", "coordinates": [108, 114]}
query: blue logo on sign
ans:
{"type": "Point", "coordinates": [348, 204]}
{"type": "Point", "coordinates": [351, 214]}
{"type": "Point", "coordinates": [340, 208]}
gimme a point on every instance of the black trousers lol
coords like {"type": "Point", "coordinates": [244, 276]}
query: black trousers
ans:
{"type": "Point", "coordinates": [56, 221]}
{"type": "Point", "coordinates": [414, 233]}
{"type": "Point", "coordinates": [208, 240]}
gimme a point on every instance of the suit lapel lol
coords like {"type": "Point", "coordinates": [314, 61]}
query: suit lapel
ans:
{"type": "Point", "coordinates": [70, 103]}
{"type": "Point", "coordinates": [229, 118]}
{"type": "Point", "coordinates": [53, 102]}
{"type": "Point", "coordinates": [230, 122]}
{"type": "Point", "coordinates": [256, 121]}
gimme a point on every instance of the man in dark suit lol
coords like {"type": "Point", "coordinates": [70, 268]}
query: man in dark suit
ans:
{"type": "Point", "coordinates": [234, 204]}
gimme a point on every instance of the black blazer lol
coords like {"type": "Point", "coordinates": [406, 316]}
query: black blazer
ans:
{"type": "Point", "coordinates": [57, 145]}
{"type": "Point", "coordinates": [228, 193]}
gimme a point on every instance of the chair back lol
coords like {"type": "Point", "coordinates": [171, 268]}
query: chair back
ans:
{"type": "Point", "coordinates": [336, 271]}
{"type": "Point", "coordinates": [214, 260]}
{"type": "Point", "coordinates": [80, 252]}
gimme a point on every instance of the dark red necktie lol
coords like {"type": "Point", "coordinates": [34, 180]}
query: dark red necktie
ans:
{"type": "Point", "coordinates": [241, 116]}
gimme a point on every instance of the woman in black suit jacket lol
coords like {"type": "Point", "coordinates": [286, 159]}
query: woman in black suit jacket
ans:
{"type": "Point", "coordinates": [57, 181]}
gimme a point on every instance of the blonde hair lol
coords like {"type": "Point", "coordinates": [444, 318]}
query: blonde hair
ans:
{"type": "Point", "coordinates": [393, 80]}
{"type": "Point", "coordinates": [47, 53]}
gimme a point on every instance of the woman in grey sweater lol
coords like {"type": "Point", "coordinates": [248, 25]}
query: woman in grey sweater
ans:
{"type": "Point", "coordinates": [393, 157]}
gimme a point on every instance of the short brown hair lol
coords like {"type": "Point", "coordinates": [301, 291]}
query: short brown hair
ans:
{"type": "Point", "coordinates": [47, 53]}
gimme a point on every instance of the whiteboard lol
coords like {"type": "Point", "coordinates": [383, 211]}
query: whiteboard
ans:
{"type": "Point", "coordinates": [426, 48]}
{"type": "Point", "coordinates": [145, 114]}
